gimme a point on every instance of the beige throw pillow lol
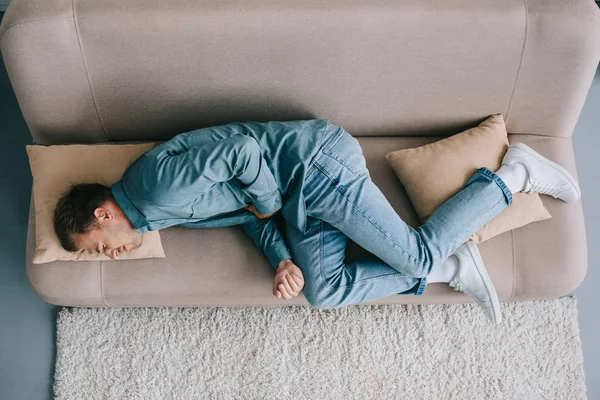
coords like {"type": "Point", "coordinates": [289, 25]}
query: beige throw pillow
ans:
{"type": "Point", "coordinates": [55, 168]}
{"type": "Point", "coordinates": [437, 171]}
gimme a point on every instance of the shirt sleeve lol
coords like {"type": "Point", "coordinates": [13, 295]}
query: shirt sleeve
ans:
{"type": "Point", "coordinates": [267, 237]}
{"type": "Point", "coordinates": [202, 166]}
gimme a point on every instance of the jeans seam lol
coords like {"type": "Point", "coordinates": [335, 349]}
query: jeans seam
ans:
{"type": "Point", "coordinates": [322, 266]}
{"type": "Point", "coordinates": [367, 280]}
{"type": "Point", "coordinates": [464, 230]}
{"type": "Point", "coordinates": [332, 141]}
{"type": "Point", "coordinates": [303, 213]}
{"type": "Point", "coordinates": [321, 251]}
{"type": "Point", "coordinates": [368, 219]}
{"type": "Point", "coordinates": [312, 170]}
{"type": "Point", "coordinates": [346, 166]}
{"type": "Point", "coordinates": [506, 193]}
{"type": "Point", "coordinates": [327, 152]}
{"type": "Point", "coordinates": [422, 286]}
{"type": "Point", "coordinates": [326, 143]}
{"type": "Point", "coordinates": [491, 174]}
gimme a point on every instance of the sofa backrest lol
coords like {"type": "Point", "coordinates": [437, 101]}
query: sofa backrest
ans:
{"type": "Point", "coordinates": [87, 71]}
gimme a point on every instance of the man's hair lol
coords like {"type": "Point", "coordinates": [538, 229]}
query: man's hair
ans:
{"type": "Point", "coordinates": [74, 212]}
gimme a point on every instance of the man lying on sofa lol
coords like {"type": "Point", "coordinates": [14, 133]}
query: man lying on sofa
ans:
{"type": "Point", "coordinates": [238, 174]}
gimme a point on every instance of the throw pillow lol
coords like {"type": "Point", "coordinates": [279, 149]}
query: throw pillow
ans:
{"type": "Point", "coordinates": [55, 168]}
{"type": "Point", "coordinates": [435, 172]}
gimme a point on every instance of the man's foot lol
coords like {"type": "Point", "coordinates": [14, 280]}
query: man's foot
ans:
{"type": "Point", "coordinates": [472, 278]}
{"type": "Point", "coordinates": [543, 175]}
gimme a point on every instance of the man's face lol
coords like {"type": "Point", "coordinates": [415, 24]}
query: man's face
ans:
{"type": "Point", "coordinates": [115, 234]}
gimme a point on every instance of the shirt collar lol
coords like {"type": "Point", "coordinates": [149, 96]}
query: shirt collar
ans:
{"type": "Point", "coordinates": [137, 219]}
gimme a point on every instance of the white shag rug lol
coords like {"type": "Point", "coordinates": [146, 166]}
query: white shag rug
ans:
{"type": "Point", "coordinates": [300, 352]}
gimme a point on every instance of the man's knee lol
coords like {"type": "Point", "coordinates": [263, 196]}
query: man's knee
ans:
{"type": "Point", "coordinates": [313, 300]}
{"type": "Point", "coordinates": [317, 305]}
{"type": "Point", "coordinates": [322, 305]}
{"type": "Point", "coordinates": [317, 295]}
{"type": "Point", "coordinates": [424, 261]}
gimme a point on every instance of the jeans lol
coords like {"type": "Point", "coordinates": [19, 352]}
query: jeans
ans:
{"type": "Point", "coordinates": [343, 202]}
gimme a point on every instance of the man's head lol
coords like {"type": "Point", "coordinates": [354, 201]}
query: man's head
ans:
{"type": "Point", "coordinates": [89, 218]}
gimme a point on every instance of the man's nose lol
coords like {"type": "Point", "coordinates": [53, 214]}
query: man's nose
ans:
{"type": "Point", "coordinates": [111, 254]}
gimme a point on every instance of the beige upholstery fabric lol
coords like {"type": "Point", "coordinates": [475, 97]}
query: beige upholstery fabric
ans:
{"type": "Point", "coordinates": [55, 169]}
{"type": "Point", "coordinates": [118, 70]}
{"type": "Point", "coordinates": [395, 74]}
{"type": "Point", "coordinates": [525, 209]}
{"type": "Point", "coordinates": [433, 173]}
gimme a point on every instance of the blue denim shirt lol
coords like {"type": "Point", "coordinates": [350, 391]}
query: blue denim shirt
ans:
{"type": "Point", "coordinates": [204, 178]}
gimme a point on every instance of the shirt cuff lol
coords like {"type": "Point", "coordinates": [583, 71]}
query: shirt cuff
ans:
{"type": "Point", "coordinates": [277, 253]}
{"type": "Point", "coordinates": [270, 204]}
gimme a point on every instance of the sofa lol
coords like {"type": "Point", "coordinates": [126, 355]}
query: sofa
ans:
{"type": "Point", "coordinates": [395, 74]}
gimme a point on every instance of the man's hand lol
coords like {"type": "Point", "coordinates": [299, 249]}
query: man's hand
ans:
{"type": "Point", "coordinates": [252, 209]}
{"type": "Point", "coordinates": [288, 281]}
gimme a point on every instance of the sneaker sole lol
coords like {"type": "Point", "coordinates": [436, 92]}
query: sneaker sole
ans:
{"type": "Point", "coordinates": [487, 282]}
{"type": "Point", "coordinates": [551, 163]}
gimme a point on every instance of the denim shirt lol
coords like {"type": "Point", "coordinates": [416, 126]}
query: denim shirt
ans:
{"type": "Point", "coordinates": [204, 178]}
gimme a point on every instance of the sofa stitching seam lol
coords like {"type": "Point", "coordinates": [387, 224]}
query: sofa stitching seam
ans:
{"type": "Point", "coordinates": [525, 36]}
{"type": "Point", "coordinates": [102, 283]}
{"type": "Point", "coordinates": [87, 76]}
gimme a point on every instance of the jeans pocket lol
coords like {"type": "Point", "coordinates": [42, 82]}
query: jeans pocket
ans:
{"type": "Point", "coordinates": [346, 150]}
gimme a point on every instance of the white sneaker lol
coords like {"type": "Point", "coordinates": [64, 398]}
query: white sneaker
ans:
{"type": "Point", "coordinates": [473, 279]}
{"type": "Point", "coordinates": [543, 176]}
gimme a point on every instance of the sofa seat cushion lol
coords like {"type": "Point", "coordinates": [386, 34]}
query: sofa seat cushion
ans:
{"type": "Point", "coordinates": [222, 267]}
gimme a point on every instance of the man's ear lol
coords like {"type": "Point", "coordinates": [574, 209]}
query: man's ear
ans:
{"type": "Point", "coordinates": [102, 213]}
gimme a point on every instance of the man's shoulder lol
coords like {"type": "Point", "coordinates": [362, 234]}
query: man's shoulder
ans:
{"type": "Point", "coordinates": [302, 123]}
{"type": "Point", "coordinates": [180, 141]}
{"type": "Point", "coordinates": [277, 125]}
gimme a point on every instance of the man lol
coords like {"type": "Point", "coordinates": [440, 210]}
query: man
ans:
{"type": "Point", "coordinates": [315, 173]}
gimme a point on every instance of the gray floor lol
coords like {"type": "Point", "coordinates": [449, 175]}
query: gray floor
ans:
{"type": "Point", "coordinates": [586, 141]}
{"type": "Point", "coordinates": [27, 327]}
{"type": "Point", "coordinates": [27, 330]}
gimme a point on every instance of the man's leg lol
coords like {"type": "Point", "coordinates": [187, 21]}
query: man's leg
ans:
{"type": "Point", "coordinates": [328, 281]}
{"type": "Point", "coordinates": [362, 212]}
{"type": "Point", "coordinates": [340, 192]}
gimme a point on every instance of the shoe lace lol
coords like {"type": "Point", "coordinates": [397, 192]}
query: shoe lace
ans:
{"type": "Point", "coordinates": [545, 188]}
{"type": "Point", "coordinates": [457, 285]}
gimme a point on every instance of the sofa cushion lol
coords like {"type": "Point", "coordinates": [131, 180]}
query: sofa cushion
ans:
{"type": "Point", "coordinates": [55, 168]}
{"type": "Point", "coordinates": [99, 70]}
{"type": "Point", "coordinates": [437, 171]}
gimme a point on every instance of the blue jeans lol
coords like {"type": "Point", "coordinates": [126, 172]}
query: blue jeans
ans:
{"type": "Point", "coordinates": [343, 202]}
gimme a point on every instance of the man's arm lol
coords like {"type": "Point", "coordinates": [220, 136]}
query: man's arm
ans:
{"type": "Point", "coordinates": [268, 238]}
{"type": "Point", "coordinates": [199, 167]}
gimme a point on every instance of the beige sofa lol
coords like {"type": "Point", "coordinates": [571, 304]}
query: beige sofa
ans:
{"type": "Point", "coordinates": [394, 74]}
